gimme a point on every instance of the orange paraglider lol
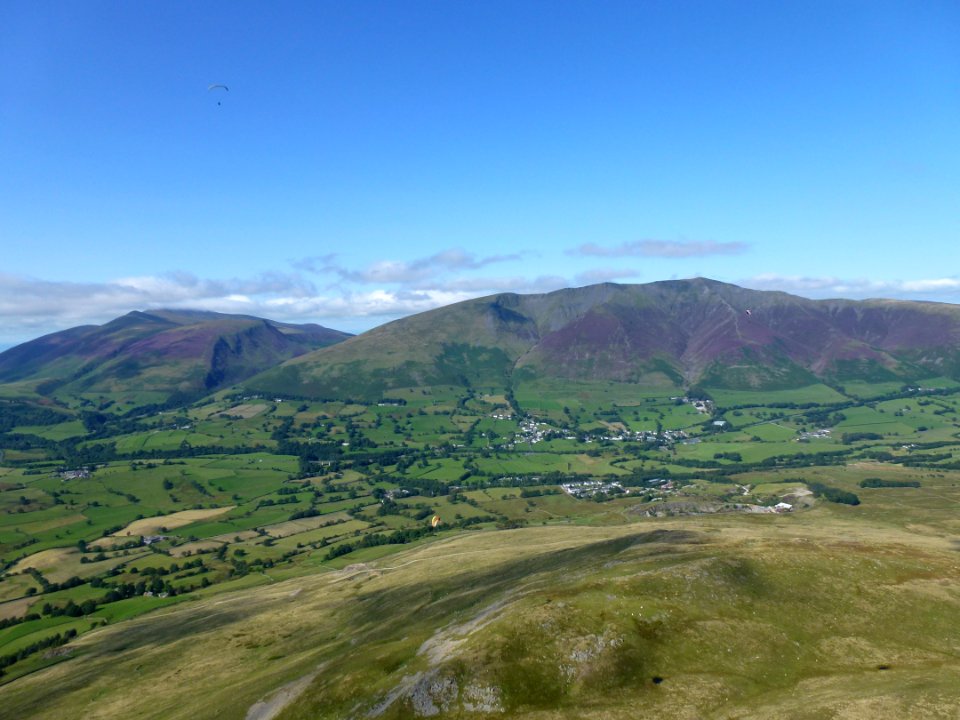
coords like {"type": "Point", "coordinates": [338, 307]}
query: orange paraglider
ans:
{"type": "Point", "coordinates": [435, 521]}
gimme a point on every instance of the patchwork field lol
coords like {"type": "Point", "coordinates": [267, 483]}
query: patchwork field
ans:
{"type": "Point", "coordinates": [589, 549]}
{"type": "Point", "coordinates": [163, 523]}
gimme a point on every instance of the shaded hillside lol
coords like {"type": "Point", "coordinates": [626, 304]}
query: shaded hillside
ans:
{"type": "Point", "coordinates": [550, 623]}
{"type": "Point", "coordinates": [162, 351]}
{"type": "Point", "coordinates": [685, 332]}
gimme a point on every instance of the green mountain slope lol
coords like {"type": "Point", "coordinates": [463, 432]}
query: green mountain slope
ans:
{"type": "Point", "coordinates": [684, 332]}
{"type": "Point", "coordinates": [163, 352]}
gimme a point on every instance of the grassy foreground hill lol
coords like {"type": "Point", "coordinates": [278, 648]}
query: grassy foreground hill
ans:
{"type": "Point", "coordinates": [807, 616]}
{"type": "Point", "coordinates": [678, 333]}
{"type": "Point", "coordinates": [156, 354]}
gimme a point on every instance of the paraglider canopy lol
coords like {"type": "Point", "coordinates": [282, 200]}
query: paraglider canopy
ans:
{"type": "Point", "coordinates": [434, 521]}
{"type": "Point", "coordinates": [217, 86]}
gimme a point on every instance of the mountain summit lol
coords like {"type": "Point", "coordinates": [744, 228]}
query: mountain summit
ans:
{"type": "Point", "coordinates": [684, 332]}
{"type": "Point", "coordinates": [160, 352]}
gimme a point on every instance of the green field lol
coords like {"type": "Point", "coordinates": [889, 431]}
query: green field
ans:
{"type": "Point", "coordinates": [306, 533]}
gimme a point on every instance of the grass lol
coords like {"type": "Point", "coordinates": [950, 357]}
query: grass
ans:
{"type": "Point", "coordinates": [162, 523]}
{"type": "Point", "coordinates": [322, 533]}
{"type": "Point", "coordinates": [818, 393]}
{"type": "Point", "coordinates": [61, 431]}
{"type": "Point", "coordinates": [60, 564]}
{"type": "Point", "coordinates": [585, 619]}
{"type": "Point", "coordinates": [723, 600]}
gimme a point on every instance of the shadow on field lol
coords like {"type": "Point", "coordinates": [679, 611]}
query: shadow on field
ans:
{"type": "Point", "coordinates": [160, 629]}
{"type": "Point", "coordinates": [437, 598]}
{"type": "Point", "coordinates": [151, 630]}
{"type": "Point", "coordinates": [417, 601]}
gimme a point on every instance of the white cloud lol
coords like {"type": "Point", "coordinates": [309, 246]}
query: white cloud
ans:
{"type": "Point", "coordinates": [938, 285]}
{"type": "Point", "coordinates": [378, 303]}
{"type": "Point", "coordinates": [404, 272]}
{"type": "Point", "coordinates": [662, 248]}
{"type": "Point", "coordinates": [923, 289]}
{"type": "Point", "coordinates": [316, 263]}
{"type": "Point", "coordinates": [30, 307]}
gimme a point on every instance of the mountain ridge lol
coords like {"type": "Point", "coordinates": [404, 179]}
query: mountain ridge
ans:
{"type": "Point", "coordinates": [164, 351]}
{"type": "Point", "coordinates": [696, 331]}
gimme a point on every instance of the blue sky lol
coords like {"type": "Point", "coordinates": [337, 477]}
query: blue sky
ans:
{"type": "Point", "coordinates": [373, 159]}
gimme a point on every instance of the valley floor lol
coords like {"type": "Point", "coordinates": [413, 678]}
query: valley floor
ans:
{"type": "Point", "coordinates": [567, 550]}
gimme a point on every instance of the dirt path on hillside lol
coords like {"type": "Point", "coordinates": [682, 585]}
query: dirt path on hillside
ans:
{"type": "Point", "coordinates": [271, 706]}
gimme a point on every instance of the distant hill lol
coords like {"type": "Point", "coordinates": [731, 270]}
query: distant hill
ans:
{"type": "Point", "coordinates": [162, 352]}
{"type": "Point", "coordinates": [681, 332]}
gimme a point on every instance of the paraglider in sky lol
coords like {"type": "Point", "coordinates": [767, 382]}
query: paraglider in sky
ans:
{"type": "Point", "coordinates": [434, 521]}
{"type": "Point", "coordinates": [216, 86]}
{"type": "Point", "coordinates": [749, 313]}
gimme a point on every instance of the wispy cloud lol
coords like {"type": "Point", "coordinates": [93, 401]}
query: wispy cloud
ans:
{"type": "Point", "coordinates": [316, 263]}
{"type": "Point", "coordinates": [662, 248]}
{"type": "Point", "coordinates": [404, 272]}
{"type": "Point", "coordinates": [927, 288]}
{"type": "Point", "coordinates": [30, 307]}
{"type": "Point", "coordinates": [359, 299]}
{"type": "Point", "coordinates": [27, 303]}
{"type": "Point", "coordinates": [351, 305]}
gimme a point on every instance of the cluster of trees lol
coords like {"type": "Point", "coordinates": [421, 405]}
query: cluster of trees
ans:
{"type": "Point", "coordinates": [25, 652]}
{"type": "Point", "coordinates": [154, 583]}
{"type": "Point", "coordinates": [100, 425]}
{"type": "Point", "coordinates": [71, 609]}
{"type": "Point", "coordinates": [881, 483]}
{"type": "Point", "coordinates": [397, 537]}
{"type": "Point", "coordinates": [173, 569]}
{"type": "Point", "coordinates": [49, 587]}
{"type": "Point", "coordinates": [13, 413]}
{"type": "Point", "coordinates": [20, 441]}
{"type": "Point", "coordinates": [848, 438]}
{"type": "Point", "coordinates": [832, 494]}
{"type": "Point", "coordinates": [733, 456]}
{"type": "Point", "coordinates": [286, 500]}
{"type": "Point", "coordinates": [423, 486]}
{"type": "Point", "coordinates": [537, 492]}
{"type": "Point", "coordinates": [931, 460]}
{"type": "Point", "coordinates": [107, 452]}
{"type": "Point", "coordinates": [823, 417]}
{"type": "Point", "coordinates": [11, 621]}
